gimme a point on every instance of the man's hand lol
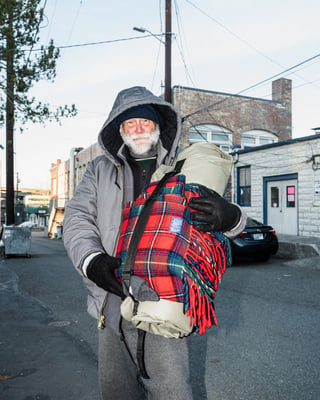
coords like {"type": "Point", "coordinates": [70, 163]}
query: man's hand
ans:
{"type": "Point", "coordinates": [101, 271]}
{"type": "Point", "coordinates": [213, 212]}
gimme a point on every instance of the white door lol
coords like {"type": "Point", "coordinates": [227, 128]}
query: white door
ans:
{"type": "Point", "coordinates": [282, 206]}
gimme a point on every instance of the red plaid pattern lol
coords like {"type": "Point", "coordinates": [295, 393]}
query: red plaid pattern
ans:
{"type": "Point", "coordinates": [179, 262]}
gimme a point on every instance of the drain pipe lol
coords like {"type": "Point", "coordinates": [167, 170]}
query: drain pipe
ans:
{"type": "Point", "coordinates": [72, 170]}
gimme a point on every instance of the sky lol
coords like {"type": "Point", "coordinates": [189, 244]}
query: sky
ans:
{"type": "Point", "coordinates": [226, 46]}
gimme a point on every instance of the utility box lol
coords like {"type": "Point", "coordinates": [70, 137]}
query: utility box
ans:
{"type": "Point", "coordinates": [17, 240]}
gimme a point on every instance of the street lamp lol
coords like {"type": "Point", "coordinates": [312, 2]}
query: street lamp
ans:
{"type": "Point", "coordinates": [167, 44]}
{"type": "Point", "coordinates": [143, 30]}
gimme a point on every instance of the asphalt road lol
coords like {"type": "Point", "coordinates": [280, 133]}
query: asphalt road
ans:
{"type": "Point", "coordinates": [47, 340]}
{"type": "Point", "coordinates": [266, 346]}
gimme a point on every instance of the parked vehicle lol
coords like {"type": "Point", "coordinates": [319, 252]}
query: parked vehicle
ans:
{"type": "Point", "coordinates": [257, 241]}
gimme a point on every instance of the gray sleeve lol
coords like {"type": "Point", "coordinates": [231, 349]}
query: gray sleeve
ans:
{"type": "Point", "coordinates": [81, 235]}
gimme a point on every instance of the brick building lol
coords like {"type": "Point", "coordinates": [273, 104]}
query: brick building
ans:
{"type": "Point", "coordinates": [235, 121]}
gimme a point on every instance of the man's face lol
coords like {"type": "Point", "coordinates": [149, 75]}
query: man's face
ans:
{"type": "Point", "coordinates": [140, 135]}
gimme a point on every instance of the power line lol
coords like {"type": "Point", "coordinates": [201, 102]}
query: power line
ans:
{"type": "Point", "coordinates": [51, 19]}
{"type": "Point", "coordinates": [97, 43]}
{"type": "Point", "coordinates": [35, 34]}
{"type": "Point", "coordinates": [281, 73]}
{"type": "Point", "coordinates": [253, 86]}
{"type": "Point", "coordinates": [241, 39]}
{"type": "Point", "coordinates": [234, 34]}
{"type": "Point", "coordinates": [180, 44]}
{"type": "Point", "coordinates": [102, 42]}
{"type": "Point", "coordinates": [74, 20]}
{"type": "Point", "coordinates": [178, 16]}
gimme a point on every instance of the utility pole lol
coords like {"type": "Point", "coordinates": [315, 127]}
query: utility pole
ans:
{"type": "Point", "coordinates": [10, 124]}
{"type": "Point", "coordinates": [167, 43]}
{"type": "Point", "coordinates": [167, 77]}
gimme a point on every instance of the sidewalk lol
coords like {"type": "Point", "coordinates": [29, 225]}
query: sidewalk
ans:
{"type": "Point", "coordinates": [48, 343]}
{"type": "Point", "coordinates": [298, 247]}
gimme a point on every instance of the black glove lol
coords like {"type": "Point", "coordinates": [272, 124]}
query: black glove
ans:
{"type": "Point", "coordinates": [101, 271]}
{"type": "Point", "coordinates": [214, 213]}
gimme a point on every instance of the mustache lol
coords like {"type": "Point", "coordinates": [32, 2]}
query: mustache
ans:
{"type": "Point", "coordinates": [141, 136]}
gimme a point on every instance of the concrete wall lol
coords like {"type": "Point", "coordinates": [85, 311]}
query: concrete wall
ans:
{"type": "Point", "coordinates": [301, 156]}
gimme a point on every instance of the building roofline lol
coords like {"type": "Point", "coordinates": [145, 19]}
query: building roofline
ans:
{"type": "Point", "coordinates": [278, 144]}
{"type": "Point", "coordinates": [226, 94]}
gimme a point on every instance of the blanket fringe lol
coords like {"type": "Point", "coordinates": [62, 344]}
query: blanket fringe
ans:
{"type": "Point", "coordinates": [201, 310]}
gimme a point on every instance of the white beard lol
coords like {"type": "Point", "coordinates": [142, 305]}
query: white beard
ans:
{"type": "Point", "coordinates": [141, 144]}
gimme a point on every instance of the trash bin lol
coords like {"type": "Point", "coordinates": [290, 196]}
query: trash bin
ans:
{"type": "Point", "coordinates": [17, 240]}
{"type": "Point", "coordinates": [58, 234]}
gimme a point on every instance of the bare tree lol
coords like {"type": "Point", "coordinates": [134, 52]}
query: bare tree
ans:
{"type": "Point", "coordinates": [23, 62]}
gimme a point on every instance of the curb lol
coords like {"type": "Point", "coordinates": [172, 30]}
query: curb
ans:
{"type": "Point", "coordinates": [295, 250]}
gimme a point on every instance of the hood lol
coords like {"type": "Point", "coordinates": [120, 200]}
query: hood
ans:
{"type": "Point", "coordinates": [109, 138]}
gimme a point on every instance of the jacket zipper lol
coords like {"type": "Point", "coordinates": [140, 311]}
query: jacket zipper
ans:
{"type": "Point", "coordinates": [102, 319]}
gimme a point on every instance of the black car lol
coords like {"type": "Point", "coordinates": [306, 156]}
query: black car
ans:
{"type": "Point", "coordinates": [257, 241]}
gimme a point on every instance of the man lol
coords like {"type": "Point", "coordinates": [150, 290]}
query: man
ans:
{"type": "Point", "coordinates": [141, 133]}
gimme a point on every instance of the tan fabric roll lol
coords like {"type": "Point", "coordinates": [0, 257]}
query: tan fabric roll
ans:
{"type": "Point", "coordinates": [205, 164]}
{"type": "Point", "coordinates": [163, 317]}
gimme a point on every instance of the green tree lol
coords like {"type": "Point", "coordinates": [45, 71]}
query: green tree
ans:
{"type": "Point", "coordinates": [23, 62]}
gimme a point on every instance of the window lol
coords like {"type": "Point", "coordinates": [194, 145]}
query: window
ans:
{"type": "Point", "coordinates": [215, 134]}
{"type": "Point", "coordinates": [291, 196]}
{"type": "Point", "coordinates": [257, 138]}
{"type": "Point", "coordinates": [275, 199]}
{"type": "Point", "coordinates": [244, 186]}
{"type": "Point", "coordinates": [247, 141]}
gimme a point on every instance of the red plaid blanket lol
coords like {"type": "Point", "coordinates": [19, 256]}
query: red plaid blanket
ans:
{"type": "Point", "coordinates": [179, 262]}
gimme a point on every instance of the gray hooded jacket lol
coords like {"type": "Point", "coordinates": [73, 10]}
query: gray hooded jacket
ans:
{"type": "Point", "coordinates": [92, 219]}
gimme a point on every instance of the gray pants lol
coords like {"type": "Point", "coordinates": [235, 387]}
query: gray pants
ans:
{"type": "Point", "coordinates": [166, 362]}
